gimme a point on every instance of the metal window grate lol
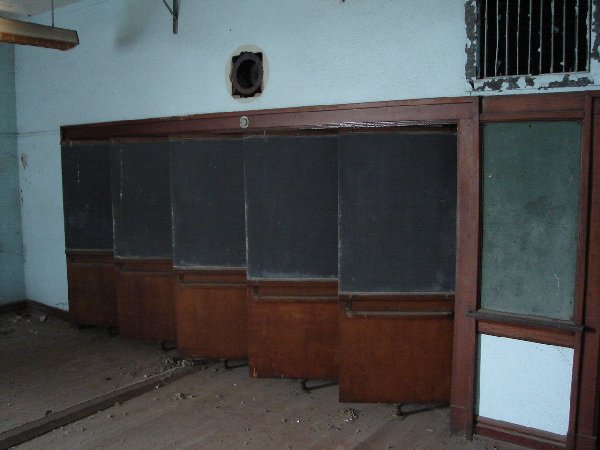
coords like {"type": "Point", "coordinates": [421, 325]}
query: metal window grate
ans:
{"type": "Point", "coordinates": [532, 37]}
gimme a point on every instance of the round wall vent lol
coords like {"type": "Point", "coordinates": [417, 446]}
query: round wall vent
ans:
{"type": "Point", "coordinates": [247, 74]}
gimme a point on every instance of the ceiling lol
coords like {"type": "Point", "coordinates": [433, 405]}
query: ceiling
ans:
{"type": "Point", "coordinates": [24, 8]}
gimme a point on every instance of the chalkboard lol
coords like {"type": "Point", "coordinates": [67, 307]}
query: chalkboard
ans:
{"type": "Point", "coordinates": [142, 200]}
{"type": "Point", "coordinates": [291, 207]}
{"type": "Point", "coordinates": [87, 197]}
{"type": "Point", "coordinates": [531, 174]}
{"type": "Point", "coordinates": [397, 217]}
{"type": "Point", "coordinates": [207, 192]}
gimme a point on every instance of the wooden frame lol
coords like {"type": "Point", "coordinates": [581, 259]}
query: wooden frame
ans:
{"type": "Point", "coordinates": [466, 114]}
{"type": "Point", "coordinates": [583, 420]}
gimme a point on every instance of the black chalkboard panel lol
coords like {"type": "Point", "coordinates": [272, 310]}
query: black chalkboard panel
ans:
{"type": "Point", "coordinates": [207, 192]}
{"type": "Point", "coordinates": [531, 176]}
{"type": "Point", "coordinates": [291, 207]}
{"type": "Point", "coordinates": [397, 201]}
{"type": "Point", "coordinates": [87, 197]}
{"type": "Point", "coordinates": [142, 200]}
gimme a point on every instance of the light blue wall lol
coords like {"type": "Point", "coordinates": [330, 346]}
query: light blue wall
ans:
{"type": "Point", "coordinates": [129, 65]}
{"type": "Point", "coordinates": [12, 285]}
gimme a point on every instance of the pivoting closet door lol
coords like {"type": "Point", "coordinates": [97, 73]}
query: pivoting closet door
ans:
{"type": "Point", "coordinates": [397, 264]}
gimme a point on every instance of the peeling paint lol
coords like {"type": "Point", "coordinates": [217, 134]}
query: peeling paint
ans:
{"type": "Point", "coordinates": [471, 45]}
{"type": "Point", "coordinates": [568, 82]}
{"type": "Point", "coordinates": [496, 84]}
{"type": "Point", "coordinates": [595, 50]}
{"type": "Point", "coordinates": [24, 160]}
{"type": "Point", "coordinates": [520, 81]}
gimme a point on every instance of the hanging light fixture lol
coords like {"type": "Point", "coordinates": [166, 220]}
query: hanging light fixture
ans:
{"type": "Point", "coordinates": [27, 33]}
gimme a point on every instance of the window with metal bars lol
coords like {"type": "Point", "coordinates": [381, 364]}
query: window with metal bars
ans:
{"type": "Point", "coordinates": [533, 37]}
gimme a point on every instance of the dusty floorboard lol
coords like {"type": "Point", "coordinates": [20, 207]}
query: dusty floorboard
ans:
{"type": "Point", "coordinates": [219, 409]}
{"type": "Point", "coordinates": [49, 365]}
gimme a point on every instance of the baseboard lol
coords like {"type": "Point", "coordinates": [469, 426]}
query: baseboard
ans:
{"type": "Point", "coordinates": [518, 435]}
{"type": "Point", "coordinates": [40, 308]}
{"type": "Point", "coordinates": [13, 307]}
{"type": "Point", "coordinates": [33, 307]}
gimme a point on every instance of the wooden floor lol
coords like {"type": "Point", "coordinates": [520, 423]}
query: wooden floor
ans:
{"type": "Point", "coordinates": [51, 366]}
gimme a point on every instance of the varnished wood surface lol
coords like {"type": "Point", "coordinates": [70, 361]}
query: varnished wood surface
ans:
{"type": "Point", "coordinates": [533, 107]}
{"type": "Point", "coordinates": [587, 415]}
{"type": "Point", "coordinates": [519, 435]}
{"type": "Point", "coordinates": [210, 314]}
{"type": "Point", "coordinates": [377, 114]}
{"type": "Point", "coordinates": [91, 277]}
{"type": "Point", "coordinates": [145, 300]}
{"type": "Point", "coordinates": [293, 329]}
{"type": "Point", "coordinates": [392, 358]}
{"type": "Point", "coordinates": [467, 276]}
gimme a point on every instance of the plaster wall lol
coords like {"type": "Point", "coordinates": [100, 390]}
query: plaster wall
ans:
{"type": "Point", "coordinates": [129, 65]}
{"type": "Point", "coordinates": [12, 286]}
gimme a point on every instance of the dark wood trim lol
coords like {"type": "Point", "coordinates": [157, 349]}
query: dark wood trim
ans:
{"type": "Point", "coordinates": [390, 306]}
{"type": "Point", "coordinates": [567, 106]}
{"type": "Point", "coordinates": [308, 291]}
{"type": "Point", "coordinates": [35, 428]}
{"type": "Point", "coordinates": [90, 257]}
{"type": "Point", "coordinates": [39, 308]}
{"type": "Point", "coordinates": [582, 256]}
{"type": "Point", "coordinates": [13, 307]}
{"type": "Point", "coordinates": [519, 435]}
{"type": "Point", "coordinates": [525, 333]}
{"type": "Point", "coordinates": [211, 277]}
{"type": "Point", "coordinates": [587, 370]}
{"type": "Point", "coordinates": [33, 307]}
{"type": "Point", "coordinates": [368, 115]}
{"type": "Point", "coordinates": [136, 265]}
{"type": "Point", "coordinates": [462, 407]}
{"type": "Point", "coordinates": [561, 326]}
{"type": "Point", "coordinates": [79, 251]}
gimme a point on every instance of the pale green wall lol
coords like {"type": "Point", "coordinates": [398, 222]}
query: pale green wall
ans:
{"type": "Point", "coordinates": [12, 286]}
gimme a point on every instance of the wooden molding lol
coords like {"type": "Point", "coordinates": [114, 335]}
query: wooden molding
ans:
{"type": "Point", "coordinates": [525, 333]}
{"type": "Point", "coordinates": [369, 115]}
{"type": "Point", "coordinates": [567, 106]}
{"type": "Point", "coordinates": [467, 271]}
{"type": "Point", "coordinates": [527, 328]}
{"type": "Point", "coordinates": [519, 435]}
{"type": "Point", "coordinates": [33, 307]}
{"type": "Point", "coordinates": [311, 291]}
{"type": "Point", "coordinates": [13, 307]}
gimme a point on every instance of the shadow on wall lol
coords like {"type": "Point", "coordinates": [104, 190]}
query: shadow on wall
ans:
{"type": "Point", "coordinates": [134, 21]}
